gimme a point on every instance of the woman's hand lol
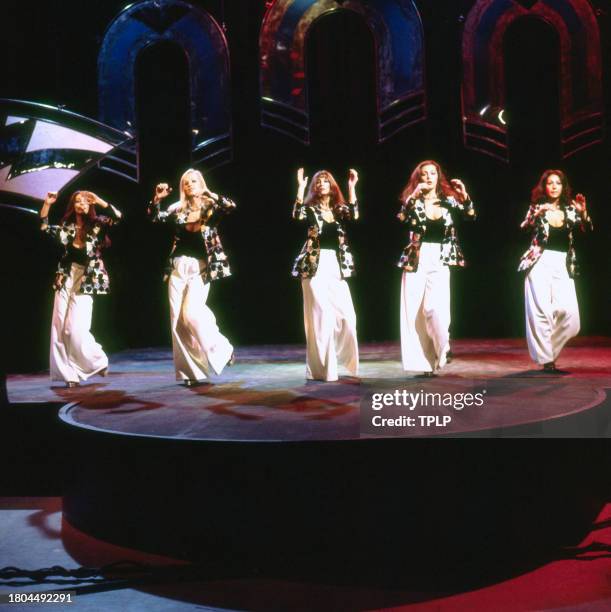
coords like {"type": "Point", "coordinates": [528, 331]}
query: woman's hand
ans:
{"type": "Point", "coordinates": [302, 183]}
{"type": "Point", "coordinates": [418, 191]}
{"type": "Point", "coordinates": [460, 189]}
{"type": "Point", "coordinates": [95, 200]}
{"type": "Point", "coordinates": [580, 204]}
{"type": "Point", "coordinates": [51, 198]}
{"type": "Point", "coordinates": [162, 190]}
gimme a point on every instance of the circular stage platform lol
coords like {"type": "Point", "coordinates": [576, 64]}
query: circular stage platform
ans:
{"type": "Point", "coordinates": [263, 470]}
{"type": "Point", "coordinates": [265, 397]}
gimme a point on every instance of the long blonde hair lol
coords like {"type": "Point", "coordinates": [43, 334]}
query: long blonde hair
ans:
{"type": "Point", "coordinates": [183, 198]}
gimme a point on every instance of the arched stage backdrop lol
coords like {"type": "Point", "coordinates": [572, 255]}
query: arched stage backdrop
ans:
{"type": "Point", "coordinates": [403, 81]}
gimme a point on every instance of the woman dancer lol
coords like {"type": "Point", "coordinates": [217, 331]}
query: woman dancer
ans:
{"type": "Point", "coordinates": [75, 355]}
{"type": "Point", "coordinates": [323, 264]}
{"type": "Point", "coordinates": [552, 313]}
{"type": "Point", "coordinates": [429, 206]}
{"type": "Point", "coordinates": [197, 259]}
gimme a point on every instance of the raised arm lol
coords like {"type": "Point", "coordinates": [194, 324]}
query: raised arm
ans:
{"type": "Point", "coordinates": [353, 206]}
{"type": "Point", "coordinates": [404, 211]}
{"type": "Point", "coordinates": [221, 203]}
{"type": "Point", "coordinates": [112, 213]}
{"type": "Point", "coordinates": [408, 204]}
{"type": "Point", "coordinates": [463, 201]}
{"type": "Point", "coordinates": [162, 191]}
{"type": "Point", "coordinates": [221, 206]}
{"type": "Point", "coordinates": [49, 200]}
{"type": "Point", "coordinates": [299, 212]}
{"type": "Point", "coordinates": [350, 210]}
{"type": "Point", "coordinates": [583, 218]}
{"type": "Point", "coordinates": [532, 215]}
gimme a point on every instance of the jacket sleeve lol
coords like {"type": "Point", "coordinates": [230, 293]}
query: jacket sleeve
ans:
{"type": "Point", "coordinates": [112, 217]}
{"type": "Point", "coordinates": [583, 223]}
{"type": "Point", "coordinates": [221, 207]}
{"type": "Point", "coordinates": [225, 205]}
{"type": "Point", "coordinates": [467, 208]}
{"type": "Point", "coordinates": [156, 215]}
{"type": "Point", "coordinates": [586, 224]}
{"type": "Point", "coordinates": [299, 211]}
{"type": "Point", "coordinates": [405, 211]}
{"type": "Point", "coordinates": [531, 218]}
{"type": "Point", "coordinates": [349, 211]}
{"type": "Point", "coordinates": [51, 230]}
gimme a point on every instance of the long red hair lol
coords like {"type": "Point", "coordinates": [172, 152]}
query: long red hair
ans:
{"type": "Point", "coordinates": [539, 195]}
{"type": "Point", "coordinates": [336, 197]}
{"type": "Point", "coordinates": [444, 188]}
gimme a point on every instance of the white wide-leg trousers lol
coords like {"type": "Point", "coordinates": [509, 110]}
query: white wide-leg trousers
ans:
{"type": "Point", "coordinates": [75, 355]}
{"type": "Point", "coordinates": [330, 322]}
{"type": "Point", "coordinates": [552, 313]}
{"type": "Point", "coordinates": [425, 312]}
{"type": "Point", "coordinates": [198, 345]}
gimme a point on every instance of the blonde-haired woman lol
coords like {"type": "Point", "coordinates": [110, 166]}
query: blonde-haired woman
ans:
{"type": "Point", "coordinates": [197, 258]}
{"type": "Point", "coordinates": [323, 264]}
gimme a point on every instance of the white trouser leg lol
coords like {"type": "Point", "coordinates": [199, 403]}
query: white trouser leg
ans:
{"type": "Point", "coordinates": [552, 313]}
{"type": "Point", "coordinates": [75, 355]}
{"type": "Point", "coordinates": [198, 345]}
{"type": "Point", "coordinates": [329, 321]}
{"type": "Point", "coordinates": [425, 312]}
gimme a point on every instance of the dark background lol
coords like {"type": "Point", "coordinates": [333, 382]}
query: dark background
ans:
{"type": "Point", "coordinates": [49, 54]}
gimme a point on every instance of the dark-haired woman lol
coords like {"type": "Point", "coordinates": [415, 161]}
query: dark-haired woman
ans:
{"type": "Point", "coordinates": [323, 264]}
{"type": "Point", "coordinates": [552, 313]}
{"type": "Point", "coordinates": [430, 204]}
{"type": "Point", "coordinates": [75, 355]}
{"type": "Point", "coordinates": [197, 259]}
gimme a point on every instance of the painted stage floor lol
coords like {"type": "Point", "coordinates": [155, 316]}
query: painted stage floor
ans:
{"type": "Point", "coordinates": [265, 397]}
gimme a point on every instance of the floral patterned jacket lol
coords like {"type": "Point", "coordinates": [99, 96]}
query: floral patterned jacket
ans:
{"type": "Point", "coordinates": [95, 280]}
{"type": "Point", "coordinates": [306, 264]}
{"type": "Point", "coordinates": [539, 226]}
{"type": "Point", "coordinates": [217, 265]}
{"type": "Point", "coordinates": [413, 213]}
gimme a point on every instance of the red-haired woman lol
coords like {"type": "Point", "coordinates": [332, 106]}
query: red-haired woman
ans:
{"type": "Point", "coordinates": [429, 205]}
{"type": "Point", "coordinates": [197, 259]}
{"type": "Point", "coordinates": [552, 313]}
{"type": "Point", "coordinates": [323, 264]}
{"type": "Point", "coordinates": [75, 355]}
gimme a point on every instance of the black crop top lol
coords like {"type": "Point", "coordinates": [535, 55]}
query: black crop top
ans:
{"type": "Point", "coordinates": [190, 244]}
{"type": "Point", "coordinates": [77, 256]}
{"type": "Point", "coordinates": [435, 230]}
{"type": "Point", "coordinates": [328, 236]}
{"type": "Point", "coordinates": [558, 238]}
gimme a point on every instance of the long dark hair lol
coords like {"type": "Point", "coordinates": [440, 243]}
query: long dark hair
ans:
{"type": "Point", "coordinates": [70, 214]}
{"type": "Point", "coordinates": [336, 197]}
{"type": "Point", "coordinates": [444, 188]}
{"type": "Point", "coordinates": [89, 219]}
{"type": "Point", "coordinates": [539, 195]}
